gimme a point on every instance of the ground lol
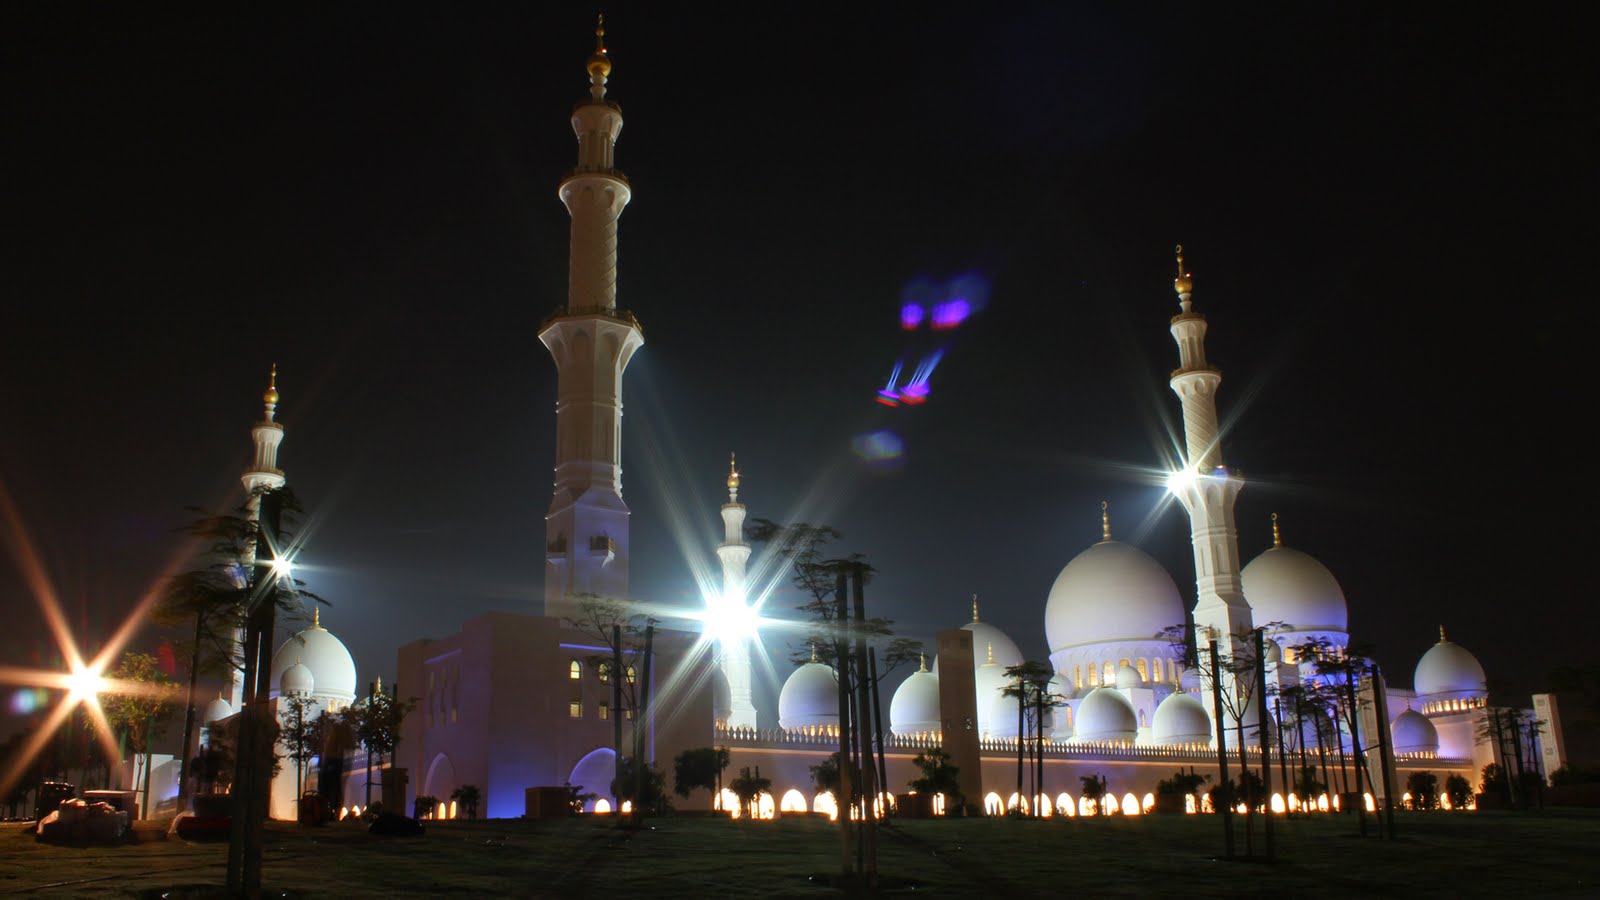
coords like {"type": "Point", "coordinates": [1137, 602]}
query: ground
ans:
{"type": "Point", "coordinates": [1548, 854]}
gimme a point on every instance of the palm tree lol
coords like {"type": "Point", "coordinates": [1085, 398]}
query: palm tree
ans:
{"type": "Point", "coordinates": [467, 795]}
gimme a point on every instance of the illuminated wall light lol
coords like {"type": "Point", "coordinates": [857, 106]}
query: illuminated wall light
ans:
{"type": "Point", "coordinates": [602, 806]}
{"type": "Point", "coordinates": [824, 803]}
{"type": "Point", "coordinates": [1130, 805]}
{"type": "Point", "coordinates": [992, 805]}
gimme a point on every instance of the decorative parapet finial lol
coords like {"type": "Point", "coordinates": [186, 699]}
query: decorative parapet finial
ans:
{"type": "Point", "coordinates": [733, 477]}
{"type": "Point", "coordinates": [974, 607]}
{"type": "Point", "coordinates": [922, 662]}
{"type": "Point", "coordinates": [377, 685]}
{"type": "Point", "coordinates": [1277, 536]}
{"type": "Point", "coordinates": [1442, 638]}
{"type": "Point", "coordinates": [814, 651]}
{"type": "Point", "coordinates": [270, 397]}
{"type": "Point", "coordinates": [599, 65]}
{"type": "Point", "coordinates": [1105, 521]}
{"type": "Point", "coordinates": [316, 617]}
{"type": "Point", "coordinates": [1184, 283]}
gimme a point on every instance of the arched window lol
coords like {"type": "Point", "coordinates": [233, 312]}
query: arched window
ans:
{"type": "Point", "coordinates": [1094, 675]}
{"type": "Point", "coordinates": [575, 671]}
{"type": "Point", "coordinates": [1155, 670]}
{"type": "Point", "coordinates": [1109, 675]}
{"type": "Point", "coordinates": [604, 672]}
{"type": "Point", "coordinates": [1077, 676]}
{"type": "Point", "coordinates": [633, 674]}
{"type": "Point", "coordinates": [1144, 671]}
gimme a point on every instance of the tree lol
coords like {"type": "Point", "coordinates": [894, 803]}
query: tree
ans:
{"type": "Point", "coordinates": [576, 797]}
{"type": "Point", "coordinates": [749, 788]}
{"type": "Point", "coordinates": [938, 776]}
{"type": "Point", "coordinates": [210, 600]}
{"type": "Point", "coordinates": [1424, 790]}
{"type": "Point", "coordinates": [626, 786]}
{"type": "Point", "coordinates": [1183, 784]}
{"type": "Point", "coordinates": [614, 624]}
{"type": "Point", "coordinates": [825, 776]}
{"type": "Point", "coordinates": [297, 732]}
{"type": "Point", "coordinates": [1094, 787]}
{"type": "Point", "coordinates": [1030, 687]}
{"type": "Point", "coordinates": [468, 796]}
{"type": "Point", "coordinates": [376, 721]}
{"type": "Point", "coordinates": [700, 767]}
{"type": "Point", "coordinates": [1459, 790]}
{"type": "Point", "coordinates": [141, 709]}
{"type": "Point", "coordinates": [1307, 785]}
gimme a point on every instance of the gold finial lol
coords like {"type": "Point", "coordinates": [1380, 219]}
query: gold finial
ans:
{"type": "Point", "coordinates": [271, 396]}
{"type": "Point", "coordinates": [378, 685]}
{"type": "Point", "coordinates": [922, 662]}
{"type": "Point", "coordinates": [991, 653]}
{"type": "Point", "coordinates": [1277, 536]}
{"type": "Point", "coordinates": [1442, 638]}
{"type": "Point", "coordinates": [1105, 521]}
{"type": "Point", "coordinates": [1184, 283]}
{"type": "Point", "coordinates": [813, 651]}
{"type": "Point", "coordinates": [600, 62]}
{"type": "Point", "coordinates": [316, 617]}
{"type": "Point", "coordinates": [733, 472]}
{"type": "Point", "coordinates": [974, 607]}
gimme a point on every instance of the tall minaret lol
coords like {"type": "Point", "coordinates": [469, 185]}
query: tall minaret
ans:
{"type": "Point", "coordinates": [1204, 486]}
{"type": "Point", "coordinates": [734, 654]}
{"type": "Point", "coordinates": [263, 475]}
{"type": "Point", "coordinates": [586, 529]}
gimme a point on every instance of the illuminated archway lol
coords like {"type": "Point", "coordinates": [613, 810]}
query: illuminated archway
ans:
{"type": "Point", "coordinates": [793, 802]}
{"type": "Point", "coordinates": [1109, 805]}
{"type": "Point", "coordinates": [441, 780]}
{"type": "Point", "coordinates": [1130, 805]}
{"type": "Point", "coordinates": [824, 803]}
{"type": "Point", "coordinates": [1085, 806]}
{"type": "Point", "coordinates": [593, 775]}
{"type": "Point", "coordinates": [729, 801]}
{"type": "Point", "coordinates": [992, 806]}
{"type": "Point", "coordinates": [602, 806]}
{"type": "Point", "coordinates": [1148, 803]}
{"type": "Point", "coordinates": [1042, 807]}
{"type": "Point", "coordinates": [1064, 805]}
{"type": "Point", "coordinates": [1013, 802]}
{"type": "Point", "coordinates": [766, 808]}
{"type": "Point", "coordinates": [1277, 803]}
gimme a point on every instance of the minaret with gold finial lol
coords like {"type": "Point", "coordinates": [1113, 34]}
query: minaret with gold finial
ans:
{"type": "Point", "coordinates": [591, 341]}
{"type": "Point", "coordinates": [1206, 489]}
{"type": "Point", "coordinates": [263, 475]}
{"type": "Point", "coordinates": [733, 651]}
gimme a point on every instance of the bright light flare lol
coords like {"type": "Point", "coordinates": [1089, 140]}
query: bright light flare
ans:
{"type": "Point", "coordinates": [85, 684]}
{"type": "Point", "coordinates": [729, 620]}
{"type": "Point", "coordinates": [1180, 480]}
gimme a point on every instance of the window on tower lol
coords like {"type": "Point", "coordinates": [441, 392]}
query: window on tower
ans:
{"type": "Point", "coordinates": [575, 709]}
{"type": "Point", "coordinates": [575, 671]}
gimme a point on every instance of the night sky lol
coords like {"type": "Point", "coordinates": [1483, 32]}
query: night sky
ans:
{"type": "Point", "coordinates": [1388, 213]}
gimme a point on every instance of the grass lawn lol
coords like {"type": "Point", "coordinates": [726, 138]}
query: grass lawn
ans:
{"type": "Point", "coordinates": [1554, 853]}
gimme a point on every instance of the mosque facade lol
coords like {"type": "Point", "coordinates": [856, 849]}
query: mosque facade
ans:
{"type": "Point", "coordinates": [516, 700]}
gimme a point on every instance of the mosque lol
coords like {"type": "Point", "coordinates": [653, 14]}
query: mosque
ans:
{"type": "Point", "coordinates": [515, 700]}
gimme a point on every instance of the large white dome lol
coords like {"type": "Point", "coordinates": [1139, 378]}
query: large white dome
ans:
{"type": "Point", "coordinates": [1286, 585]}
{"type": "Point", "coordinates": [810, 698]}
{"type": "Point", "coordinates": [1112, 592]}
{"type": "Point", "coordinates": [332, 668]}
{"type": "Point", "coordinates": [1413, 733]}
{"type": "Point", "coordinates": [915, 707]}
{"type": "Point", "coordinates": [1448, 672]}
{"type": "Point", "coordinates": [986, 638]}
{"type": "Point", "coordinates": [1181, 719]}
{"type": "Point", "coordinates": [1105, 716]}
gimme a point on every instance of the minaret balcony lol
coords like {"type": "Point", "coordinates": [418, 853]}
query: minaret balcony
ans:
{"type": "Point", "coordinates": [564, 312]}
{"type": "Point", "coordinates": [579, 171]}
{"type": "Point", "coordinates": [1211, 369]}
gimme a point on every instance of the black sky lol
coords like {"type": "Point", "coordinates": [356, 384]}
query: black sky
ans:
{"type": "Point", "coordinates": [1388, 211]}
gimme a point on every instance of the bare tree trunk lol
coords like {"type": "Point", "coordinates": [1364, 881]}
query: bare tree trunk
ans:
{"type": "Point", "coordinates": [869, 823]}
{"type": "Point", "coordinates": [188, 715]}
{"type": "Point", "coordinates": [1226, 809]}
{"type": "Point", "coordinates": [617, 674]}
{"type": "Point", "coordinates": [1263, 722]}
{"type": "Point", "coordinates": [877, 719]}
{"type": "Point", "coordinates": [1355, 744]}
{"type": "Point", "coordinates": [846, 799]}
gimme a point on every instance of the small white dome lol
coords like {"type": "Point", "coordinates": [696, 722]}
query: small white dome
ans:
{"type": "Point", "coordinates": [333, 670]}
{"type": "Point", "coordinates": [1288, 586]}
{"type": "Point", "coordinates": [1112, 592]}
{"type": "Point", "coordinates": [990, 682]}
{"type": "Point", "coordinates": [810, 697]}
{"type": "Point", "coordinates": [721, 695]}
{"type": "Point", "coordinates": [216, 710]}
{"type": "Point", "coordinates": [1181, 719]}
{"type": "Point", "coordinates": [1273, 652]}
{"type": "Point", "coordinates": [296, 680]}
{"type": "Point", "coordinates": [1190, 680]}
{"type": "Point", "coordinates": [1105, 715]}
{"type": "Point", "coordinates": [1413, 733]}
{"type": "Point", "coordinates": [1128, 678]}
{"type": "Point", "coordinates": [1449, 672]}
{"type": "Point", "coordinates": [915, 707]}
